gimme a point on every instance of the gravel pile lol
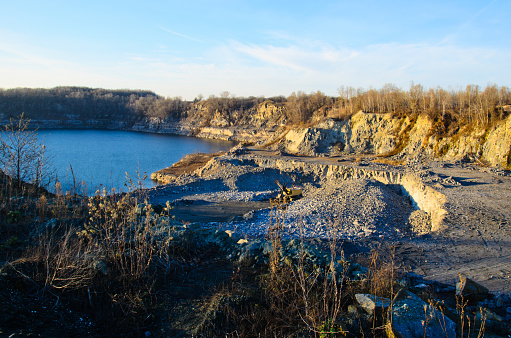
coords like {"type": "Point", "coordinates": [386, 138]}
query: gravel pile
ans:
{"type": "Point", "coordinates": [347, 209]}
{"type": "Point", "coordinates": [223, 181]}
{"type": "Point", "coordinates": [343, 209]}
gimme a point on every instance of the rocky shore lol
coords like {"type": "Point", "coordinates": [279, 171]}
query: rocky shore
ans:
{"type": "Point", "coordinates": [400, 139]}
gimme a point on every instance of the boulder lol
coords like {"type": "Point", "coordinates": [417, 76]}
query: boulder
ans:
{"type": "Point", "coordinates": [411, 317]}
{"type": "Point", "coordinates": [470, 289]}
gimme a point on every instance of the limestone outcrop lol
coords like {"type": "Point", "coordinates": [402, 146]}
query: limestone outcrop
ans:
{"type": "Point", "coordinates": [400, 138]}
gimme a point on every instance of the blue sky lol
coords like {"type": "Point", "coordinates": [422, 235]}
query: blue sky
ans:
{"type": "Point", "coordinates": [187, 48]}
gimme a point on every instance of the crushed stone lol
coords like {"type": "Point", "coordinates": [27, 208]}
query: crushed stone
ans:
{"type": "Point", "coordinates": [342, 209]}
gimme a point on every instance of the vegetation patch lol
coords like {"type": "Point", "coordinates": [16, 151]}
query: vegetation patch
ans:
{"type": "Point", "coordinates": [114, 108]}
{"type": "Point", "coordinates": [388, 161]}
{"type": "Point", "coordinates": [402, 136]}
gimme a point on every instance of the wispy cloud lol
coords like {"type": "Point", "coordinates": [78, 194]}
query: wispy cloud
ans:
{"type": "Point", "coordinates": [299, 57]}
{"type": "Point", "coordinates": [466, 24]}
{"type": "Point", "coordinates": [19, 54]}
{"type": "Point", "coordinates": [280, 56]}
{"type": "Point", "coordinates": [276, 68]}
{"type": "Point", "coordinates": [180, 35]}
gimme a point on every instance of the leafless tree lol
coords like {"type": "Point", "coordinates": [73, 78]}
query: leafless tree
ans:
{"type": "Point", "coordinates": [22, 157]}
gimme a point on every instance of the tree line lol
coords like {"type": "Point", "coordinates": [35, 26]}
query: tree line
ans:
{"type": "Point", "coordinates": [471, 104]}
{"type": "Point", "coordinates": [73, 102]}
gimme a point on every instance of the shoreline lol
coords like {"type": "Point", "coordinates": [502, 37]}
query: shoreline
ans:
{"type": "Point", "coordinates": [393, 139]}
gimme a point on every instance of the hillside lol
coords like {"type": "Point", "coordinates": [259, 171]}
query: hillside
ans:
{"type": "Point", "coordinates": [467, 124]}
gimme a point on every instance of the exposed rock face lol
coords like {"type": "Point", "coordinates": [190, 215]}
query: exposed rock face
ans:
{"type": "Point", "coordinates": [234, 134]}
{"type": "Point", "coordinates": [497, 148]}
{"type": "Point", "coordinates": [268, 113]}
{"type": "Point", "coordinates": [362, 134]}
{"type": "Point", "coordinates": [403, 138]}
{"type": "Point", "coordinates": [372, 133]}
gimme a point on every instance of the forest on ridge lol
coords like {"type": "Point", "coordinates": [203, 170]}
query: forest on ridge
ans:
{"type": "Point", "coordinates": [471, 104]}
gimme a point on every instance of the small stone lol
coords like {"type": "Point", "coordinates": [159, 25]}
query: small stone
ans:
{"type": "Point", "coordinates": [371, 303]}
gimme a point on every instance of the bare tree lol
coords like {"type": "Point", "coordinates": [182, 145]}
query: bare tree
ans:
{"type": "Point", "coordinates": [22, 157]}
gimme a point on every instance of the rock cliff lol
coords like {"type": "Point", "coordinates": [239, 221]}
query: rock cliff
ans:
{"type": "Point", "coordinates": [401, 138]}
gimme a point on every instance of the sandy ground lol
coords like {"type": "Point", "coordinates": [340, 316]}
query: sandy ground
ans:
{"type": "Point", "coordinates": [476, 239]}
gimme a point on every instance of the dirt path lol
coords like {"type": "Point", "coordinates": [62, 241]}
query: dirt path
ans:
{"type": "Point", "coordinates": [205, 212]}
{"type": "Point", "coordinates": [477, 239]}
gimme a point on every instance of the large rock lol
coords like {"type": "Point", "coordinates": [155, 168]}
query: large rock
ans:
{"type": "Point", "coordinates": [411, 317]}
{"type": "Point", "coordinates": [470, 289]}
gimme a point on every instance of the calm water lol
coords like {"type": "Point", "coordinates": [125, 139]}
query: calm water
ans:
{"type": "Point", "coordinates": [101, 158]}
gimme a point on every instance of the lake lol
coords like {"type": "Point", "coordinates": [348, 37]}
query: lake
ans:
{"type": "Point", "coordinates": [101, 158]}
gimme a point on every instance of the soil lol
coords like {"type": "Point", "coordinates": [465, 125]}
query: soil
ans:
{"type": "Point", "coordinates": [187, 164]}
{"type": "Point", "coordinates": [207, 212]}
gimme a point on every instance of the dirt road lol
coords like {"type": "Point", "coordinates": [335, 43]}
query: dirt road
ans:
{"type": "Point", "coordinates": [476, 241]}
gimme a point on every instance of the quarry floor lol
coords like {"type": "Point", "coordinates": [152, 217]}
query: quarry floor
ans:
{"type": "Point", "coordinates": [475, 239]}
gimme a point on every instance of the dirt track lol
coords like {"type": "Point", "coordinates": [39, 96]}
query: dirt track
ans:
{"type": "Point", "coordinates": [476, 239]}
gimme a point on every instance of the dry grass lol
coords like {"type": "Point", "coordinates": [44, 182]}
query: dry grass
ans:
{"type": "Point", "coordinates": [96, 251]}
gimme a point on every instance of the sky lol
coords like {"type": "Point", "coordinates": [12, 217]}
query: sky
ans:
{"type": "Point", "coordinates": [253, 48]}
